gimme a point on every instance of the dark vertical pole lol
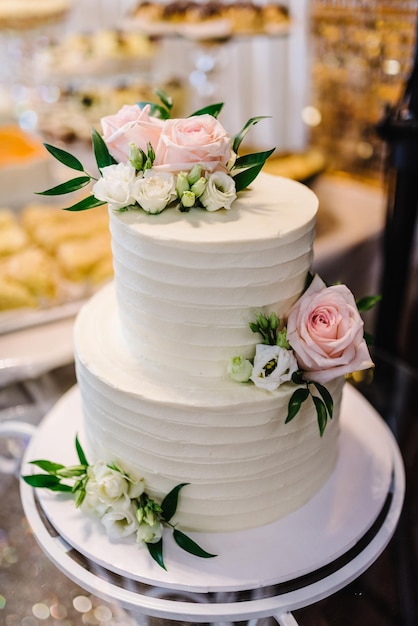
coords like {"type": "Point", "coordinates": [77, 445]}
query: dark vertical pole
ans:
{"type": "Point", "coordinates": [399, 128]}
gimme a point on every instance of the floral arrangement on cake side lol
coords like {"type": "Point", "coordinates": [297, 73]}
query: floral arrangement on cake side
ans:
{"type": "Point", "coordinates": [321, 337]}
{"type": "Point", "coordinates": [119, 500]}
{"type": "Point", "coordinates": [149, 161]}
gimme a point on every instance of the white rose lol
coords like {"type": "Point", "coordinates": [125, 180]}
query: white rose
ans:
{"type": "Point", "coordinates": [115, 185]}
{"type": "Point", "coordinates": [120, 520]}
{"type": "Point", "coordinates": [106, 484]}
{"type": "Point", "coordinates": [149, 534]}
{"type": "Point", "coordinates": [273, 366]}
{"type": "Point", "coordinates": [219, 192]}
{"type": "Point", "coordinates": [155, 190]}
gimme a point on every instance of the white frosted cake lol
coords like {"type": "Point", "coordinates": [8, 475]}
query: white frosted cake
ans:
{"type": "Point", "coordinates": [211, 370]}
{"type": "Point", "coordinates": [152, 352]}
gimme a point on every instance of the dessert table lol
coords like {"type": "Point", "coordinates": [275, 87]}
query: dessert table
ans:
{"type": "Point", "coordinates": [375, 586]}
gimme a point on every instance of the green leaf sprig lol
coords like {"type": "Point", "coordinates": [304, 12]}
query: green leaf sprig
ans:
{"type": "Point", "coordinates": [323, 402]}
{"type": "Point", "coordinates": [56, 477]}
{"type": "Point", "coordinates": [271, 330]}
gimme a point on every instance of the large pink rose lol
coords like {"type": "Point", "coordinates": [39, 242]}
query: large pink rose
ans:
{"type": "Point", "coordinates": [325, 330]}
{"type": "Point", "coordinates": [197, 139]}
{"type": "Point", "coordinates": [130, 124]}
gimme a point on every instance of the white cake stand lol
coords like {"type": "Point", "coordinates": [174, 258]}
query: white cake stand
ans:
{"type": "Point", "coordinates": [264, 572]}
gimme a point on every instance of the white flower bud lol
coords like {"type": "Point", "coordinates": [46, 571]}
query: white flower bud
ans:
{"type": "Point", "coordinates": [182, 184]}
{"type": "Point", "coordinates": [199, 186]}
{"type": "Point", "coordinates": [240, 369]}
{"type": "Point", "coordinates": [194, 174]}
{"type": "Point", "coordinates": [188, 199]}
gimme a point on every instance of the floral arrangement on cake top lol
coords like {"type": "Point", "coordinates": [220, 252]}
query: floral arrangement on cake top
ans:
{"type": "Point", "coordinates": [119, 500]}
{"type": "Point", "coordinates": [148, 160]}
{"type": "Point", "coordinates": [321, 337]}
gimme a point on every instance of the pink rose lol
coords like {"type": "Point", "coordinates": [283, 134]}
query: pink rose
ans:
{"type": "Point", "coordinates": [325, 330]}
{"type": "Point", "coordinates": [197, 139]}
{"type": "Point", "coordinates": [130, 124]}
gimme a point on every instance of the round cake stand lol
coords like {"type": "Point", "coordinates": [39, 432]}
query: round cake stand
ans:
{"type": "Point", "coordinates": [153, 596]}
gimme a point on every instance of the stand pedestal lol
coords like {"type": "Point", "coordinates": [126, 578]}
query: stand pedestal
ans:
{"type": "Point", "coordinates": [197, 591]}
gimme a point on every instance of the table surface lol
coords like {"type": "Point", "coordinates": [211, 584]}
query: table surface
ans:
{"type": "Point", "coordinates": [34, 593]}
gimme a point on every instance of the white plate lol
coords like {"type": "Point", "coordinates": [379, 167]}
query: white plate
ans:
{"type": "Point", "coordinates": [314, 536]}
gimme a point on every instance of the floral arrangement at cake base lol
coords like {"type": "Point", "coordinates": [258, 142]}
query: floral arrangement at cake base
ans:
{"type": "Point", "coordinates": [119, 500]}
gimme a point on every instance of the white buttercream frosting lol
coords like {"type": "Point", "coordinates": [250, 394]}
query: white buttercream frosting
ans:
{"type": "Point", "coordinates": [189, 284]}
{"type": "Point", "coordinates": [151, 359]}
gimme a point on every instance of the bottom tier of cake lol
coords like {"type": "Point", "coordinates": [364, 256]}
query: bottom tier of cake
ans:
{"type": "Point", "coordinates": [244, 466]}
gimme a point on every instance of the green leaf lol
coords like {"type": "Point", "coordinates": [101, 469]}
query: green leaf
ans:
{"type": "Point", "coordinates": [321, 413]}
{"type": "Point", "coordinates": [62, 487]}
{"type": "Point", "coordinates": [248, 160]}
{"type": "Point", "coordinates": [47, 466]}
{"type": "Point", "coordinates": [101, 151]}
{"type": "Point", "coordinates": [169, 504]}
{"type": "Point", "coordinates": [156, 110]}
{"type": "Point", "coordinates": [211, 109]}
{"type": "Point", "coordinates": [165, 98]}
{"type": "Point", "coordinates": [368, 302]}
{"type": "Point", "coordinates": [80, 452]}
{"type": "Point", "coordinates": [87, 203]}
{"type": "Point", "coordinates": [65, 157]}
{"type": "Point", "coordinates": [245, 178]}
{"type": "Point", "coordinates": [45, 481]}
{"type": "Point", "coordinates": [327, 398]}
{"type": "Point", "coordinates": [297, 377]}
{"type": "Point", "coordinates": [190, 546]}
{"type": "Point", "coordinates": [240, 136]}
{"type": "Point", "coordinates": [297, 399]}
{"type": "Point", "coordinates": [369, 338]}
{"type": "Point", "coordinates": [71, 185]}
{"type": "Point", "coordinates": [156, 551]}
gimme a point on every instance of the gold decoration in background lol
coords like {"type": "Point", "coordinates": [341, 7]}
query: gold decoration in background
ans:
{"type": "Point", "coordinates": [362, 55]}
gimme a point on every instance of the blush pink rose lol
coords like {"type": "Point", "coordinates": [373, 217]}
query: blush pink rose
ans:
{"type": "Point", "coordinates": [325, 330]}
{"type": "Point", "coordinates": [197, 139]}
{"type": "Point", "coordinates": [130, 124]}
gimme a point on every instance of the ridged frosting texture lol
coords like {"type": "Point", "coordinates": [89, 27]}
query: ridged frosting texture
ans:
{"type": "Point", "coordinates": [152, 351]}
{"type": "Point", "coordinates": [189, 284]}
{"type": "Point", "coordinates": [245, 466]}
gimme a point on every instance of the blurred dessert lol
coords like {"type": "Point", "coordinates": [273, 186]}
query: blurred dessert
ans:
{"type": "Point", "coordinates": [24, 165]}
{"type": "Point", "coordinates": [211, 19]}
{"type": "Point", "coordinates": [28, 14]}
{"type": "Point", "coordinates": [49, 256]}
{"type": "Point", "coordinates": [81, 107]}
{"type": "Point", "coordinates": [103, 52]}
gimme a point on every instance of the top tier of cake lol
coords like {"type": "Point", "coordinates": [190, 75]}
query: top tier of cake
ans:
{"type": "Point", "coordinates": [189, 284]}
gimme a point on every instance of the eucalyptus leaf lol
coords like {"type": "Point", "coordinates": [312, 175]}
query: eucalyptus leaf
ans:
{"type": "Point", "coordinates": [244, 130]}
{"type": "Point", "coordinates": [169, 504]}
{"type": "Point", "coordinates": [321, 413]}
{"type": "Point", "coordinates": [80, 452]}
{"type": "Point", "coordinates": [368, 302]}
{"type": "Point", "coordinates": [187, 544]}
{"type": "Point", "coordinates": [87, 203]}
{"type": "Point", "coordinates": [327, 398]}
{"type": "Point", "coordinates": [297, 399]}
{"type": "Point", "coordinates": [65, 157]}
{"type": "Point", "coordinates": [71, 185]}
{"type": "Point", "coordinates": [156, 551]}
{"type": "Point", "coordinates": [211, 109]}
{"type": "Point", "coordinates": [101, 151]}
{"type": "Point", "coordinates": [47, 466]}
